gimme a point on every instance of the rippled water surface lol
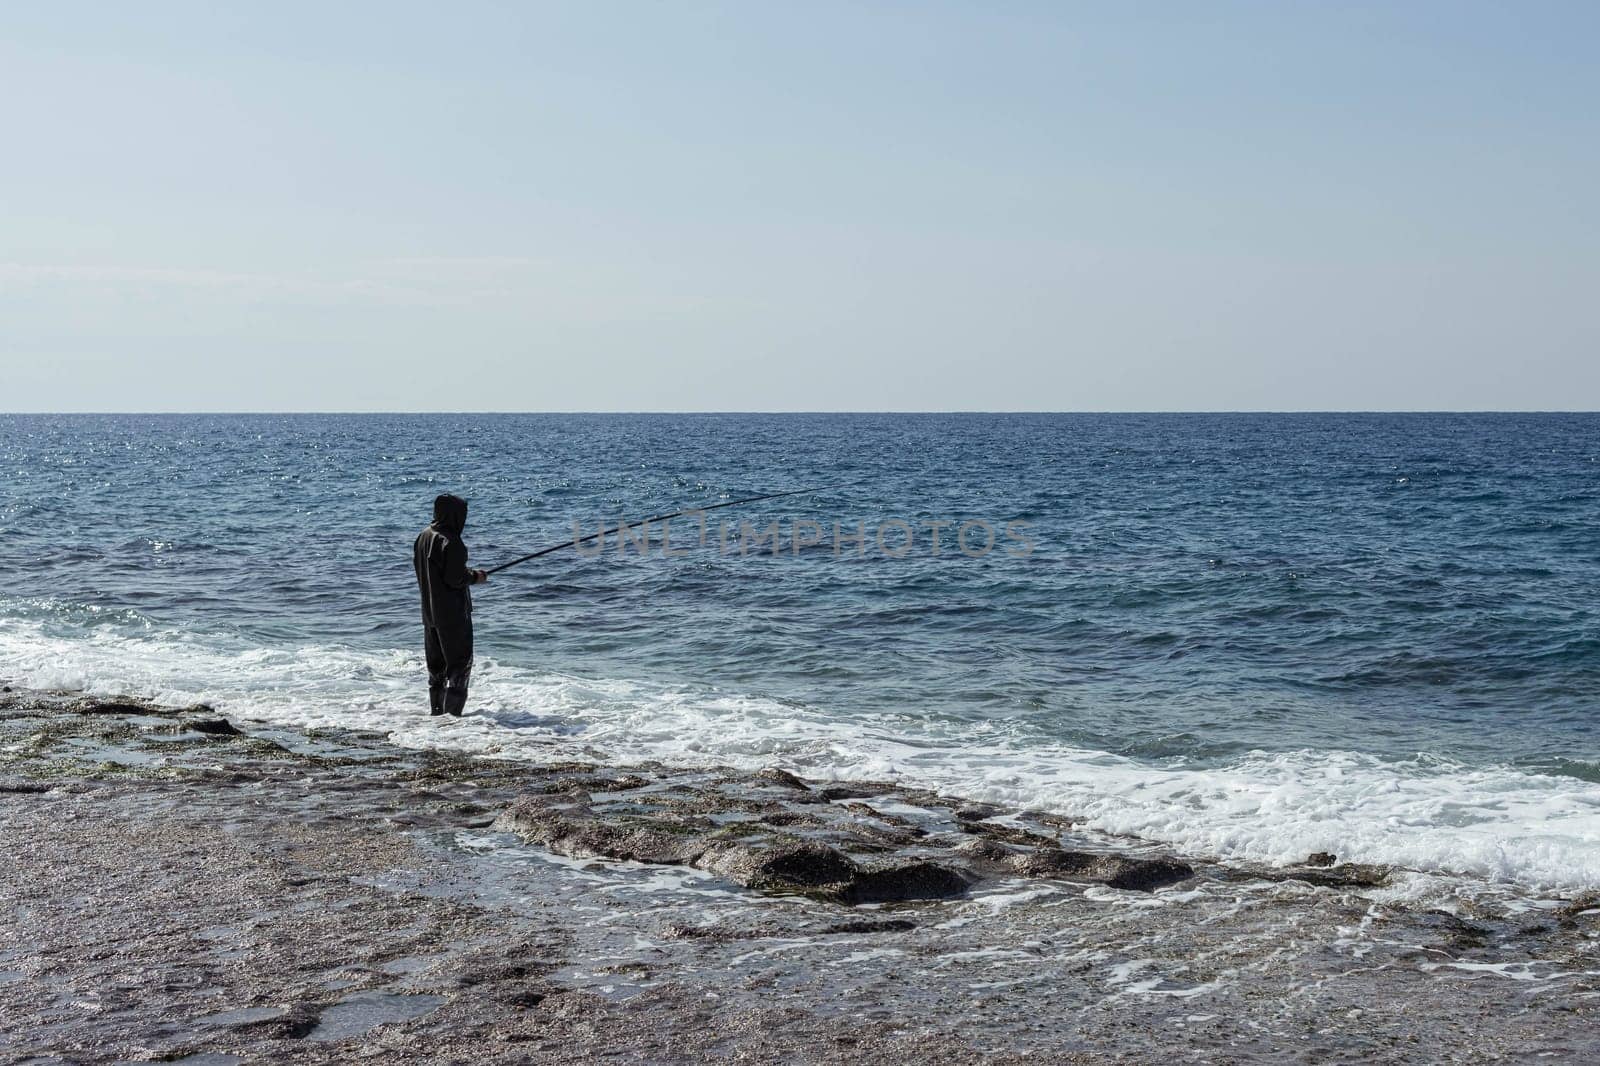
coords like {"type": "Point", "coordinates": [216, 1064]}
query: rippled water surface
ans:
{"type": "Point", "coordinates": [1254, 634]}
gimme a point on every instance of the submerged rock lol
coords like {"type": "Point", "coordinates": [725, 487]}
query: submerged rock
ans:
{"type": "Point", "coordinates": [293, 1022]}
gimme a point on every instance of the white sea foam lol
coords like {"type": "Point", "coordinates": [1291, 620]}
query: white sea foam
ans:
{"type": "Point", "coordinates": [1494, 824]}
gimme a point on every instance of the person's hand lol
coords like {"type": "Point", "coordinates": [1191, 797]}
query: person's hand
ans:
{"type": "Point", "coordinates": [480, 576]}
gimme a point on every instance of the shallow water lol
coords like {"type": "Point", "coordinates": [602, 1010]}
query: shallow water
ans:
{"type": "Point", "coordinates": [359, 1013]}
{"type": "Point", "coordinates": [1247, 636]}
{"type": "Point", "coordinates": [1230, 961]}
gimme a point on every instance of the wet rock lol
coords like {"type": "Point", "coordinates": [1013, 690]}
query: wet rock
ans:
{"type": "Point", "coordinates": [784, 817]}
{"type": "Point", "coordinates": [267, 749]}
{"type": "Point", "coordinates": [794, 866]}
{"type": "Point", "coordinates": [833, 793]}
{"type": "Point", "coordinates": [984, 849]}
{"type": "Point", "coordinates": [568, 767]}
{"type": "Point", "coordinates": [718, 934]}
{"type": "Point", "coordinates": [1115, 871]}
{"type": "Point", "coordinates": [525, 999]}
{"type": "Point", "coordinates": [494, 974]}
{"type": "Point", "coordinates": [1583, 904]}
{"type": "Point", "coordinates": [214, 727]}
{"type": "Point", "coordinates": [883, 829]}
{"type": "Point", "coordinates": [774, 776]}
{"type": "Point", "coordinates": [975, 812]}
{"type": "Point", "coordinates": [115, 707]}
{"type": "Point", "coordinates": [1347, 875]}
{"type": "Point", "coordinates": [1058, 822]}
{"type": "Point", "coordinates": [916, 880]}
{"type": "Point", "coordinates": [578, 789]}
{"type": "Point", "coordinates": [1321, 858]}
{"type": "Point", "coordinates": [1009, 834]}
{"type": "Point", "coordinates": [572, 831]}
{"type": "Point", "coordinates": [724, 934]}
{"type": "Point", "coordinates": [884, 925]}
{"type": "Point", "coordinates": [811, 868]}
{"type": "Point", "coordinates": [1461, 933]}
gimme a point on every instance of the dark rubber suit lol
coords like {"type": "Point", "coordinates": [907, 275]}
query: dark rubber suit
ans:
{"type": "Point", "coordinates": [440, 559]}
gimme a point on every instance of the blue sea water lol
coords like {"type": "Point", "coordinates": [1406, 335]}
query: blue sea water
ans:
{"type": "Point", "coordinates": [1244, 635]}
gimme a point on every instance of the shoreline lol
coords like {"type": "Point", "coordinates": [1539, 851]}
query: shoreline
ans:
{"type": "Point", "coordinates": [186, 885]}
{"type": "Point", "coordinates": [1509, 829]}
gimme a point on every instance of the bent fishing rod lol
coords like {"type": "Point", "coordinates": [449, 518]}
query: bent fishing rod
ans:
{"type": "Point", "coordinates": [644, 522]}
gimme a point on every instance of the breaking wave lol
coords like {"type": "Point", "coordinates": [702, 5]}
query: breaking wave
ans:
{"type": "Point", "coordinates": [1495, 824]}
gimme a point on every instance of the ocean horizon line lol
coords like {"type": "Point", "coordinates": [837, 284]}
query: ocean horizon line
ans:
{"type": "Point", "coordinates": [730, 412]}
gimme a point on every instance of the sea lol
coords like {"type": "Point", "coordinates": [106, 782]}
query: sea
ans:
{"type": "Point", "coordinates": [1249, 637]}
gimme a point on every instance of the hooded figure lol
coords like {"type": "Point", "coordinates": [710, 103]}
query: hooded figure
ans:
{"type": "Point", "coordinates": [440, 559]}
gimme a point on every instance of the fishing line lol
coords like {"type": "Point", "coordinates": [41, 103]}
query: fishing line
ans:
{"type": "Point", "coordinates": [644, 522]}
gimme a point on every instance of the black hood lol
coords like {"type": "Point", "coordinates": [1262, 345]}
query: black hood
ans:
{"type": "Point", "coordinates": [450, 513]}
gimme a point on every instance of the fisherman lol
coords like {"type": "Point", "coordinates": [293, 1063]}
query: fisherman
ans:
{"type": "Point", "coordinates": [440, 559]}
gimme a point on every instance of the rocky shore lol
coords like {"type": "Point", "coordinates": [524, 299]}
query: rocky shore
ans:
{"type": "Point", "coordinates": [181, 887]}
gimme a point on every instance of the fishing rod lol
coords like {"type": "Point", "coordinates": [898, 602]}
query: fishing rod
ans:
{"type": "Point", "coordinates": [645, 522]}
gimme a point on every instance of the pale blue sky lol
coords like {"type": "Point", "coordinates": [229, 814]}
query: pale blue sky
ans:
{"type": "Point", "coordinates": [812, 206]}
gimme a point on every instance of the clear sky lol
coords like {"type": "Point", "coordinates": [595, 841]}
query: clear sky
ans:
{"type": "Point", "coordinates": [799, 206]}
